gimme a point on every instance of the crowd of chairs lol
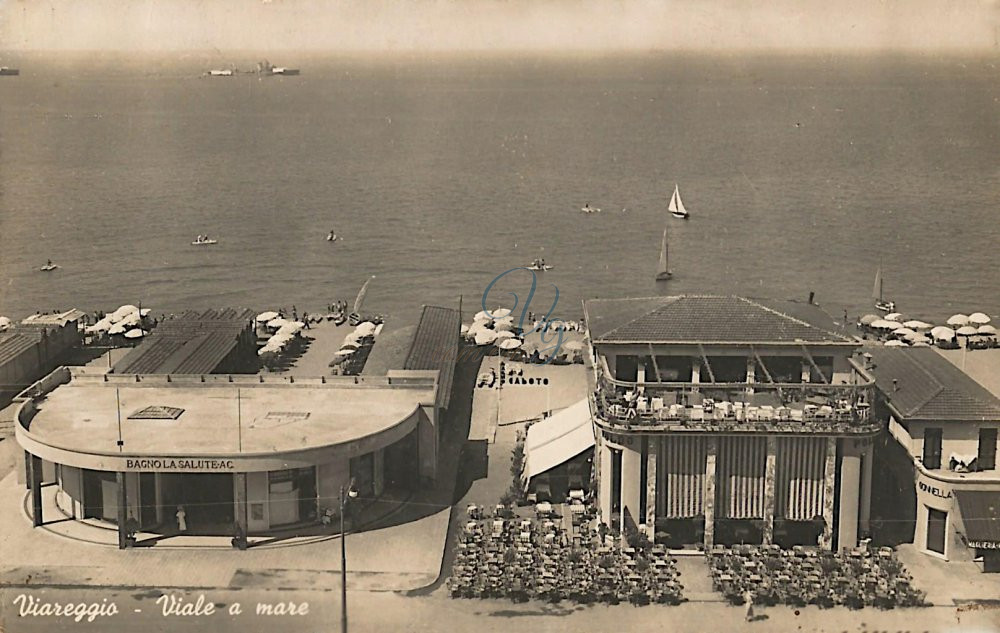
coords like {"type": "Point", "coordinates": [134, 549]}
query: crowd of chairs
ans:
{"type": "Point", "coordinates": [526, 559]}
{"type": "Point", "coordinates": [854, 578]}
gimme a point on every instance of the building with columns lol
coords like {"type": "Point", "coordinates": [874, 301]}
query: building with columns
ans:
{"type": "Point", "coordinates": [726, 419]}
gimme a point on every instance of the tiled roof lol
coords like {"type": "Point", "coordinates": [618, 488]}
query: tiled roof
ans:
{"type": "Point", "coordinates": [929, 387]}
{"type": "Point", "coordinates": [435, 346]}
{"type": "Point", "coordinates": [13, 344]}
{"type": "Point", "coordinates": [709, 319]}
{"type": "Point", "coordinates": [980, 514]}
{"type": "Point", "coordinates": [59, 319]}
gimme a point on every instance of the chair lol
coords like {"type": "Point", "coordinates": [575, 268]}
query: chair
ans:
{"type": "Point", "coordinates": [656, 404]}
{"type": "Point", "coordinates": [697, 413]}
{"type": "Point", "coordinates": [640, 404]}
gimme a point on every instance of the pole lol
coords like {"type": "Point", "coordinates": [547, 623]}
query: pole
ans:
{"type": "Point", "coordinates": [343, 564]}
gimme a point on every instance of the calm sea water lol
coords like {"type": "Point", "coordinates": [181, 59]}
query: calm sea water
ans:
{"type": "Point", "coordinates": [800, 174]}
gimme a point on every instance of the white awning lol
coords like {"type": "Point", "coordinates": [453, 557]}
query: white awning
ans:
{"type": "Point", "coordinates": [558, 439]}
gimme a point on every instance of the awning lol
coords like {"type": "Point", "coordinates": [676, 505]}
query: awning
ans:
{"type": "Point", "coordinates": [981, 517]}
{"type": "Point", "coordinates": [558, 439]}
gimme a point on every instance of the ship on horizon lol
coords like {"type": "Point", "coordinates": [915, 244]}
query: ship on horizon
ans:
{"type": "Point", "coordinates": [265, 68]}
{"type": "Point", "coordinates": [8, 71]}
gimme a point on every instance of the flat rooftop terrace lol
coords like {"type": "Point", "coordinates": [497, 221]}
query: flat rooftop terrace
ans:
{"type": "Point", "coordinates": [244, 416]}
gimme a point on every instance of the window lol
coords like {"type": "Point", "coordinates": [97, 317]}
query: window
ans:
{"type": "Point", "coordinates": [987, 459]}
{"type": "Point", "coordinates": [626, 368]}
{"type": "Point", "coordinates": [932, 448]}
{"type": "Point", "coordinates": [616, 480]}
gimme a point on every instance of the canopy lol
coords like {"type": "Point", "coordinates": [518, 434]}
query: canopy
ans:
{"type": "Point", "coordinates": [464, 330]}
{"type": "Point", "coordinates": [101, 326]}
{"type": "Point", "coordinates": [131, 318]}
{"type": "Point", "coordinates": [497, 313]}
{"type": "Point", "coordinates": [4, 323]}
{"type": "Point", "coordinates": [506, 323]}
{"type": "Point", "coordinates": [378, 329]}
{"type": "Point", "coordinates": [915, 336]}
{"type": "Point", "coordinates": [118, 328]}
{"type": "Point", "coordinates": [276, 322]}
{"type": "Point", "coordinates": [264, 317]}
{"type": "Point", "coordinates": [914, 324]}
{"type": "Point", "coordinates": [366, 328]}
{"type": "Point", "coordinates": [980, 512]}
{"type": "Point", "coordinates": [894, 316]}
{"type": "Point", "coordinates": [292, 327]}
{"type": "Point", "coordinates": [895, 343]}
{"type": "Point", "coordinates": [136, 333]}
{"type": "Point", "coordinates": [884, 324]}
{"type": "Point", "coordinates": [979, 318]}
{"type": "Point", "coordinates": [122, 312]}
{"type": "Point", "coordinates": [267, 349]}
{"type": "Point", "coordinates": [506, 334]}
{"type": "Point", "coordinates": [868, 319]}
{"type": "Point", "coordinates": [986, 329]}
{"type": "Point", "coordinates": [943, 332]}
{"type": "Point", "coordinates": [344, 353]}
{"type": "Point", "coordinates": [509, 343]}
{"type": "Point", "coordinates": [558, 439]}
{"type": "Point", "coordinates": [485, 337]}
{"type": "Point", "coordinates": [958, 319]}
{"type": "Point", "coordinates": [145, 312]}
{"type": "Point", "coordinates": [967, 330]}
{"type": "Point", "coordinates": [903, 331]}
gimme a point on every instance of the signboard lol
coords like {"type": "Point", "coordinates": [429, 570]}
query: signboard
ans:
{"type": "Point", "coordinates": [941, 493]}
{"type": "Point", "coordinates": [985, 544]}
{"type": "Point", "coordinates": [179, 465]}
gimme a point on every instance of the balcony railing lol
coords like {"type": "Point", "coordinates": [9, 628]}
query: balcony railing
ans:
{"type": "Point", "coordinates": [736, 407]}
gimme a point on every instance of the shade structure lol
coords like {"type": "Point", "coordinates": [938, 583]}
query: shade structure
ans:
{"type": "Point", "coordinates": [868, 319]}
{"type": "Point", "coordinates": [895, 343]}
{"type": "Point", "coordinates": [464, 330]}
{"type": "Point", "coordinates": [497, 313]}
{"type": "Point", "coordinates": [914, 337]}
{"type": "Point", "coordinates": [145, 312]}
{"type": "Point", "coordinates": [958, 319]}
{"type": "Point", "coordinates": [942, 332]}
{"type": "Point", "coordinates": [131, 318]}
{"type": "Point", "coordinates": [920, 344]}
{"type": "Point", "coordinates": [485, 337]}
{"type": "Point", "coordinates": [915, 324]}
{"type": "Point", "coordinates": [118, 328]}
{"type": "Point", "coordinates": [903, 332]}
{"type": "Point", "coordinates": [967, 330]}
{"type": "Point", "coordinates": [344, 353]}
{"type": "Point", "coordinates": [894, 316]}
{"type": "Point", "coordinates": [4, 323]}
{"type": "Point", "coordinates": [354, 346]}
{"type": "Point", "coordinates": [366, 328]}
{"type": "Point", "coordinates": [378, 329]}
{"type": "Point", "coordinates": [986, 329]}
{"type": "Point", "coordinates": [136, 333]}
{"type": "Point", "coordinates": [122, 312]}
{"type": "Point", "coordinates": [509, 343]}
{"type": "Point", "coordinates": [281, 338]}
{"type": "Point", "coordinates": [506, 323]}
{"type": "Point", "coordinates": [264, 317]}
{"type": "Point", "coordinates": [884, 324]}
{"type": "Point", "coordinates": [505, 334]}
{"type": "Point", "coordinates": [292, 327]}
{"type": "Point", "coordinates": [101, 326]}
{"type": "Point", "coordinates": [979, 318]}
{"type": "Point", "coordinates": [558, 439]}
{"type": "Point", "coordinates": [268, 350]}
{"type": "Point", "coordinates": [276, 322]}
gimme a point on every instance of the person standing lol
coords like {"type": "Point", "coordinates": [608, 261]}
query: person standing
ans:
{"type": "Point", "coordinates": [748, 601]}
{"type": "Point", "coordinates": [181, 519]}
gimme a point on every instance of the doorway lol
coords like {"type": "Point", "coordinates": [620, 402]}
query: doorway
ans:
{"type": "Point", "coordinates": [937, 521]}
{"type": "Point", "coordinates": [207, 499]}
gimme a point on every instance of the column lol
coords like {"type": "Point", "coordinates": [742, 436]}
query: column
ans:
{"type": "Point", "coordinates": [652, 450]}
{"type": "Point", "coordinates": [696, 369]}
{"type": "Point", "coordinates": [27, 470]}
{"type": "Point", "coordinates": [769, 472]}
{"type": "Point", "coordinates": [242, 527]}
{"type": "Point", "coordinates": [631, 486]}
{"type": "Point", "coordinates": [605, 479]}
{"type": "Point", "coordinates": [35, 483]}
{"type": "Point", "coordinates": [710, 493]}
{"type": "Point", "coordinates": [806, 371]}
{"type": "Point", "coordinates": [829, 481]}
{"type": "Point", "coordinates": [866, 488]}
{"type": "Point", "coordinates": [850, 484]}
{"type": "Point", "coordinates": [122, 511]}
{"type": "Point", "coordinates": [751, 374]}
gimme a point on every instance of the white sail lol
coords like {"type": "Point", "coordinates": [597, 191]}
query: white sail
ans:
{"type": "Point", "coordinates": [676, 204]}
{"type": "Point", "coordinates": [877, 289]}
{"type": "Point", "coordinates": [663, 270]}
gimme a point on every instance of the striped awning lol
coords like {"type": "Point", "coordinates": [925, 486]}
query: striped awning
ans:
{"type": "Point", "coordinates": [740, 481]}
{"type": "Point", "coordinates": [981, 517]}
{"type": "Point", "coordinates": [681, 473]}
{"type": "Point", "coordinates": [799, 464]}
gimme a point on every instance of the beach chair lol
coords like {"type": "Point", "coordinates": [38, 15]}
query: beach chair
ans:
{"type": "Point", "coordinates": [656, 403]}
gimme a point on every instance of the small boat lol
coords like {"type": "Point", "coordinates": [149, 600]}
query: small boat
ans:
{"type": "Point", "coordinates": [204, 241]}
{"type": "Point", "coordinates": [8, 71]}
{"type": "Point", "coordinates": [220, 73]}
{"type": "Point", "coordinates": [881, 303]}
{"type": "Point", "coordinates": [49, 267]}
{"type": "Point", "coordinates": [676, 207]}
{"type": "Point", "coordinates": [589, 209]}
{"type": "Point", "coordinates": [537, 266]}
{"type": "Point", "coordinates": [663, 272]}
{"type": "Point", "coordinates": [333, 237]}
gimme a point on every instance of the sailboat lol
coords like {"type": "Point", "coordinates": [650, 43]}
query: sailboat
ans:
{"type": "Point", "coordinates": [676, 207]}
{"type": "Point", "coordinates": [663, 273]}
{"type": "Point", "coordinates": [355, 316]}
{"type": "Point", "coordinates": [881, 303]}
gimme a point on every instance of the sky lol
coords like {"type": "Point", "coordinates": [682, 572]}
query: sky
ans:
{"type": "Point", "coordinates": [502, 25]}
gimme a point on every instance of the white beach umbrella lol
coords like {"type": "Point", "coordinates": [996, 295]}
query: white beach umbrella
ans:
{"type": "Point", "coordinates": [893, 316]}
{"type": "Point", "coordinates": [915, 324]}
{"type": "Point", "coordinates": [942, 332]}
{"type": "Point", "coordinates": [354, 346]}
{"type": "Point", "coordinates": [915, 337]}
{"type": "Point", "coordinates": [4, 323]}
{"type": "Point", "coordinates": [895, 343]}
{"type": "Point", "coordinates": [958, 319]}
{"type": "Point", "coordinates": [506, 323]}
{"type": "Point", "coordinates": [485, 337]}
{"type": "Point", "coordinates": [986, 329]}
{"type": "Point", "coordinates": [267, 350]}
{"type": "Point", "coordinates": [868, 319]}
{"type": "Point", "coordinates": [101, 326]}
{"type": "Point", "coordinates": [967, 330]}
{"type": "Point", "coordinates": [280, 338]}
{"type": "Point", "coordinates": [509, 343]}
{"type": "Point", "coordinates": [276, 322]}
{"type": "Point", "coordinates": [118, 328]}
{"type": "Point", "coordinates": [978, 318]}
{"type": "Point", "coordinates": [264, 317]}
{"type": "Point", "coordinates": [902, 331]}
{"type": "Point", "coordinates": [464, 330]}
{"type": "Point", "coordinates": [367, 328]}
{"type": "Point", "coordinates": [505, 334]}
{"type": "Point", "coordinates": [145, 312]}
{"type": "Point", "coordinates": [496, 313]}
{"type": "Point", "coordinates": [131, 318]}
{"type": "Point", "coordinates": [884, 324]}
{"type": "Point", "coordinates": [920, 344]}
{"type": "Point", "coordinates": [378, 329]}
{"type": "Point", "coordinates": [292, 327]}
{"type": "Point", "coordinates": [344, 353]}
{"type": "Point", "coordinates": [136, 333]}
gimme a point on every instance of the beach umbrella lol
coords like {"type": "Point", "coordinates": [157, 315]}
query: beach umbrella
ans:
{"type": "Point", "coordinates": [281, 338]}
{"type": "Point", "coordinates": [497, 313]}
{"type": "Point", "coordinates": [884, 324]}
{"type": "Point", "coordinates": [136, 333]}
{"type": "Point", "coordinates": [915, 324]}
{"type": "Point", "coordinates": [342, 354]}
{"type": "Point", "coordinates": [378, 329]}
{"type": "Point", "coordinates": [122, 312]}
{"type": "Point", "coordinates": [464, 330]}
{"type": "Point", "coordinates": [895, 343]}
{"type": "Point", "coordinates": [893, 316]}
{"type": "Point", "coordinates": [920, 344]}
{"type": "Point", "coordinates": [967, 330]}
{"type": "Point", "coordinates": [132, 318]}
{"type": "Point", "coordinates": [276, 322]}
{"type": "Point", "coordinates": [978, 318]}
{"type": "Point", "coordinates": [264, 317]}
{"type": "Point", "coordinates": [868, 319]}
{"type": "Point", "coordinates": [903, 331]}
{"type": "Point", "coordinates": [145, 312]}
{"type": "Point", "coordinates": [958, 319]}
{"type": "Point", "coordinates": [485, 337]}
{"type": "Point", "coordinates": [915, 337]}
{"type": "Point", "coordinates": [101, 326]}
{"type": "Point", "coordinates": [506, 323]}
{"type": "Point", "coordinates": [986, 330]}
{"type": "Point", "coordinates": [267, 350]}
{"type": "Point", "coordinates": [509, 343]}
{"type": "Point", "coordinates": [118, 328]}
{"type": "Point", "coordinates": [4, 323]}
{"type": "Point", "coordinates": [943, 333]}
{"type": "Point", "coordinates": [292, 327]}
{"type": "Point", "coordinates": [505, 334]}
{"type": "Point", "coordinates": [354, 346]}
{"type": "Point", "coordinates": [366, 328]}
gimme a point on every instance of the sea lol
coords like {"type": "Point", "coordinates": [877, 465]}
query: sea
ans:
{"type": "Point", "coordinates": [802, 174]}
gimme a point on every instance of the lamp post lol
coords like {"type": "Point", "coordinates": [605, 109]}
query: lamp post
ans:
{"type": "Point", "coordinates": [345, 493]}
